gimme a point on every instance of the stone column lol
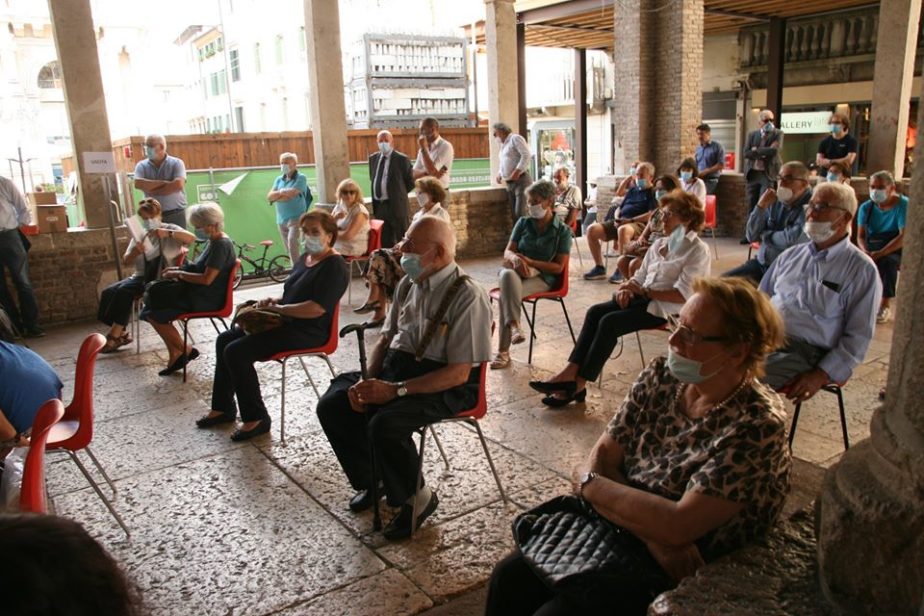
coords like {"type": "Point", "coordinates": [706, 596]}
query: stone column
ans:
{"type": "Point", "coordinates": [896, 44]}
{"type": "Point", "coordinates": [870, 522]}
{"type": "Point", "coordinates": [503, 76]}
{"type": "Point", "coordinates": [75, 39]}
{"type": "Point", "coordinates": [328, 110]}
{"type": "Point", "coordinates": [658, 89]}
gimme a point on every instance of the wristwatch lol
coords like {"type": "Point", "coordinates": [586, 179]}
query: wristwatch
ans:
{"type": "Point", "coordinates": [402, 389]}
{"type": "Point", "coordinates": [585, 479]}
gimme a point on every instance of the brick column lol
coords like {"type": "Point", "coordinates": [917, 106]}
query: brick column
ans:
{"type": "Point", "coordinates": [896, 45]}
{"type": "Point", "coordinates": [328, 110]}
{"type": "Point", "coordinates": [870, 522]}
{"type": "Point", "coordinates": [75, 40]}
{"type": "Point", "coordinates": [658, 91]}
{"type": "Point", "coordinates": [503, 75]}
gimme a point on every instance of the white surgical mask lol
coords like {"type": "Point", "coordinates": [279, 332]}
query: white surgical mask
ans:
{"type": "Point", "coordinates": [385, 148]}
{"type": "Point", "coordinates": [688, 370]}
{"type": "Point", "coordinates": [818, 232]}
{"type": "Point", "coordinates": [676, 239]}
{"type": "Point", "coordinates": [784, 195]}
{"type": "Point", "coordinates": [284, 169]}
{"type": "Point", "coordinates": [423, 199]}
{"type": "Point", "coordinates": [150, 223]}
{"type": "Point", "coordinates": [536, 211]}
{"type": "Point", "coordinates": [878, 195]}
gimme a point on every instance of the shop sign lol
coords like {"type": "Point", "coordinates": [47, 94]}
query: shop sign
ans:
{"type": "Point", "coordinates": [807, 122]}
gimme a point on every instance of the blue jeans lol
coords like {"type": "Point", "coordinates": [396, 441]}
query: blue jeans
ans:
{"type": "Point", "coordinates": [13, 258]}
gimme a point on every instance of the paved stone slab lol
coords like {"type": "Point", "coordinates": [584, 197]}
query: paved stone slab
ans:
{"type": "Point", "coordinates": [388, 593]}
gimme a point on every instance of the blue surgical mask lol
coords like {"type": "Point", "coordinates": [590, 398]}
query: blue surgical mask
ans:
{"type": "Point", "coordinates": [878, 195]}
{"type": "Point", "coordinates": [688, 370]}
{"type": "Point", "coordinates": [149, 152]}
{"type": "Point", "coordinates": [676, 239]}
{"type": "Point", "coordinates": [833, 177]}
{"type": "Point", "coordinates": [836, 129]}
{"type": "Point", "coordinates": [642, 183]}
{"type": "Point", "coordinates": [686, 176]}
{"type": "Point", "coordinates": [412, 266]}
{"type": "Point", "coordinates": [314, 245]}
{"type": "Point", "coordinates": [659, 194]}
{"type": "Point", "coordinates": [768, 127]}
{"type": "Point", "coordinates": [385, 148]}
{"type": "Point", "coordinates": [201, 235]}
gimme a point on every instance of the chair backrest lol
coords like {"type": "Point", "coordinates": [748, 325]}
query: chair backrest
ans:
{"type": "Point", "coordinates": [331, 345]}
{"type": "Point", "coordinates": [81, 407]}
{"type": "Point", "coordinates": [481, 408]}
{"type": "Point", "coordinates": [228, 308]}
{"type": "Point", "coordinates": [375, 236]}
{"type": "Point", "coordinates": [561, 286]}
{"type": "Point", "coordinates": [32, 492]}
{"type": "Point", "coordinates": [710, 212]}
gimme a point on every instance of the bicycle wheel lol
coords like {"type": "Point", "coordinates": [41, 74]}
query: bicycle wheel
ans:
{"type": "Point", "coordinates": [279, 268]}
{"type": "Point", "coordinates": [239, 276]}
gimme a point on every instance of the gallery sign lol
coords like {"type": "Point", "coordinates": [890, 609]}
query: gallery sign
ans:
{"type": "Point", "coordinates": [807, 122]}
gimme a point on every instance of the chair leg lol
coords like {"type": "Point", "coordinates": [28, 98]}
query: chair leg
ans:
{"type": "Point", "coordinates": [423, 438]}
{"type": "Point", "coordinates": [638, 339]}
{"type": "Point", "coordinates": [564, 309]}
{"type": "Point", "coordinates": [310, 379]}
{"type": "Point", "coordinates": [795, 420]}
{"type": "Point", "coordinates": [333, 371]}
{"type": "Point", "coordinates": [136, 325]}
{"type": "Point", "coordinates": [840, 405]}
{"type": "Point", "coordinates": [715, 244]}
{"type": "Point", "coordinates": [101, 470]}
{"type": "Point", "coordinates": [578, 248]}
{"type": "Point", "coordinates": [185, 338]}
{"type": "Point", "coordinates": [102, 496]}
{"type": "Point", "coordinates": [532, 336]}
{"type": "Point", "coordinates": [487, 453]}
{"type": "Point", "coordinates": [282, 410]}
{"type": "Point", "coordinates": [439, 445]}
{"type": "Point", "coordinates": [350, 286]}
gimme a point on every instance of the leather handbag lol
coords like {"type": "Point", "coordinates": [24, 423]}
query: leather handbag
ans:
{"type": "Point", "coordinates": [162, 293]}
{"type": "Point", "coordinates": [253, 320]}
{"type": "Point", "coordinates": [575, 550]}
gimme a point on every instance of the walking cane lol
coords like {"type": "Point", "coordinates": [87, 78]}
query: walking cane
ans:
{"type": "Point", "coordinates": [360, 329]}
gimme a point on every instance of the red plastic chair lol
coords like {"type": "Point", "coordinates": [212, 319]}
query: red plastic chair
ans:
{"type": "Point", "coordinates": [323, 352]}
{"type": "Point", "coordinates": [221, 314]}
{"type": "Point", "coordinates": [574, 226]}
{"type": "Point", "coordinates": [711, 222]}
{"type": "Point", "coordinates": [557, 294]}
{"type": "Point", "coordinates": [374, 243]}
{"type": "Point", "coordinates": [32, 497]}
{"type": "Point", "coordinates": [833, 388]}
{"type": "Point", "coordinates": [75, 431]}
{"type": "Point", "coordinates": [470, 417]}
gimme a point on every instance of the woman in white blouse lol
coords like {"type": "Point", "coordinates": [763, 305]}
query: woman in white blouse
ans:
{"type": "Point", "coordinates": [385, 264]}
{"type": "Point", "coordinates": [658, 289]}
{"type": "Point", "coordinates": [690, 181]}
{"type": "Point", "coordinates": [352, 220]}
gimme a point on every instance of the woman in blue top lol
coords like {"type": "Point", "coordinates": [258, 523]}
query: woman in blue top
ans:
{"type": "Point", "coordinates": [26, 383]}
{"type": "Point", "coordinates": [533, 261]}
{"type": "Point", "coordinates": [309, 298]}
{"type": "Point", "coordinates": [292, 198]}
{"type": "Point", "coordinates": [881, 232]}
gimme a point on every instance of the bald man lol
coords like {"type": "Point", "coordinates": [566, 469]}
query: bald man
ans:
{"type": "Point", "coordinates": [392, 179]}
{"type": "Point", "coordinates": [163, 177]}
{"type": "Point", "coordinates": [423, 368]}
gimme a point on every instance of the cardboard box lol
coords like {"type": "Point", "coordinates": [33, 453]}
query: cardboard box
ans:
{"type": "Point", "coordinates": [51, 218]}
{"type": "Point", "coordinates": [43, 198]}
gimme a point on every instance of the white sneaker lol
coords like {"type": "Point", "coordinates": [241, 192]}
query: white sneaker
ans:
{"type": "Point", "coordinates": [883, 315]}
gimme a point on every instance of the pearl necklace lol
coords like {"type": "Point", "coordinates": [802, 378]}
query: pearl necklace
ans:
{"type": "Point", "coordinates": [716, 407]}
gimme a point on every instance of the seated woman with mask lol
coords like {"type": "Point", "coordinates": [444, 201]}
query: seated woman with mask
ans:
{"type": "Point", "coordinates": [309, 298]}
{"type": "Point", "coordinates": [164, 242]}
{"type": "Point", "coordinates": [629, 263]}
{"type": "Point", "coordinates": [694, 464]}
{"type": "Point", "coordinates": [385, 264]}
{"type": "Point", "coordinates": [657, 290]}
{"type": "Point", "coordinates": [533, 262]}
{"type": "Point", "coordinates": [881, 234]}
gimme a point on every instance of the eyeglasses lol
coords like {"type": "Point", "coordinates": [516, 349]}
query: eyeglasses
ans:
{"type": "Point", "coordinates": [818, 208]}
{"type": "Point", "coordinates": [792, 178]}
{"type": "Point", "coordinates": [687, 335]}
{"type": "Point", "coordinates": [347, 192]}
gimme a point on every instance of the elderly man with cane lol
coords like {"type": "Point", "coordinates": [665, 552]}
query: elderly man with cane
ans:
{"type": "Point", "coordinates": [424, 368]}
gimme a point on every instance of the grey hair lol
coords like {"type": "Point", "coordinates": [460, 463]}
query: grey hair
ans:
{"type": "Point", "coordinates": [844, 197]}
{"type": "Point", "coordinates": [797, 168]}
{"type": "Point", "coordinates": [157, 139]}
{"type": "Point", "coordinates": [885, 176]}
{"type": "Point", "coordinates": [563, 169]}
{"type": "Point", "coordinates": [207, 213]}
{"type": "Point", "coordinates": [543, 189]}
{"type": "Point", "coordinates": [765, 114]}
{"type": "Point", "coordinates": [288, 156]}
{"type": "Point", "coordinates": [383, 132]}
{"type": "Point", "coordinates": [650, 167]}
{"type": "Point", "coordinates": [502, 127]}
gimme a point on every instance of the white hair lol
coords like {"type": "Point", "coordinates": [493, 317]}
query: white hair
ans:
{"type": "Point", "coordinates": [843, 196]}
{"type": "Point", "coordinates": [156, 139]}
{"type": "Point", "coordinates": [288, 156]}
{"type": "Point", "coordinates": [207, 213]}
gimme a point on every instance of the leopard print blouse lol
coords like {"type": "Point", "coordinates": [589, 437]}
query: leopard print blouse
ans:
{"type": "Point", "coordinates": [737, 453]}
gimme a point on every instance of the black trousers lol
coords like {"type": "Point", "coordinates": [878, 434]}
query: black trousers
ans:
{"type": "Point", "coordinates": [15, 259]}
{"type": "Point", "coordinates": [389, 427]}
{"type": "Point", "coordinates": [749, 269]}
{"type": "Point", "coordinates": [888, 272]}
{"type": "Point", "coordinates": [235, 375]}
{"type": "Point", "coordinates": [115, 302]}
{"type": "Point", "coordinates": [394, 227]}
{"type": "Point", "coordinates": [757, 182]}
{"type": "Point", "coordinates": [603, 325]}
{"type": "Point", "coordinates": [514, 590]}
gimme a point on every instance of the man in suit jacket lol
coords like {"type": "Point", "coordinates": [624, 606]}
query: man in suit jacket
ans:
{"type": "Point", "coordinates": [762, 160]}
{"type": "Point", "coordinates": [392, 180]}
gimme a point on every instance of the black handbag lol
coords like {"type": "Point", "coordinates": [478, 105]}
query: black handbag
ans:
{"type": "Point", "coordinates": [161, 294]}
{"type": "Point", "coordinates": [576, 551]}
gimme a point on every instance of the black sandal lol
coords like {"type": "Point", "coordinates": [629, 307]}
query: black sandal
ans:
{"type": "Point", "coordinates": [207, 422]}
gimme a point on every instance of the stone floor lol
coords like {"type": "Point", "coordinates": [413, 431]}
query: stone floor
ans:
{"type": "Point", "coordinates": [263, 528]}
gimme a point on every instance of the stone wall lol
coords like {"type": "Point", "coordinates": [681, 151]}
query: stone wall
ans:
{"type": "Point", "coordinates": [481, 219]}
{"type": "Point", "coordinates": [68, 270]}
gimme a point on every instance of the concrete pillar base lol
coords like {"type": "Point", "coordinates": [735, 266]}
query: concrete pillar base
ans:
{"type": "Point", "coordinates": [871, 533]}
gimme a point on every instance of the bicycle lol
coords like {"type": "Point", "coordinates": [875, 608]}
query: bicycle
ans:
{"type": "Point", "coordinates": [276, 268]}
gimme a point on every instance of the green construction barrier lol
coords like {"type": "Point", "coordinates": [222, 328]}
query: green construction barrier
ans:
{"type": "Point", "coordinates": [249, 218]}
